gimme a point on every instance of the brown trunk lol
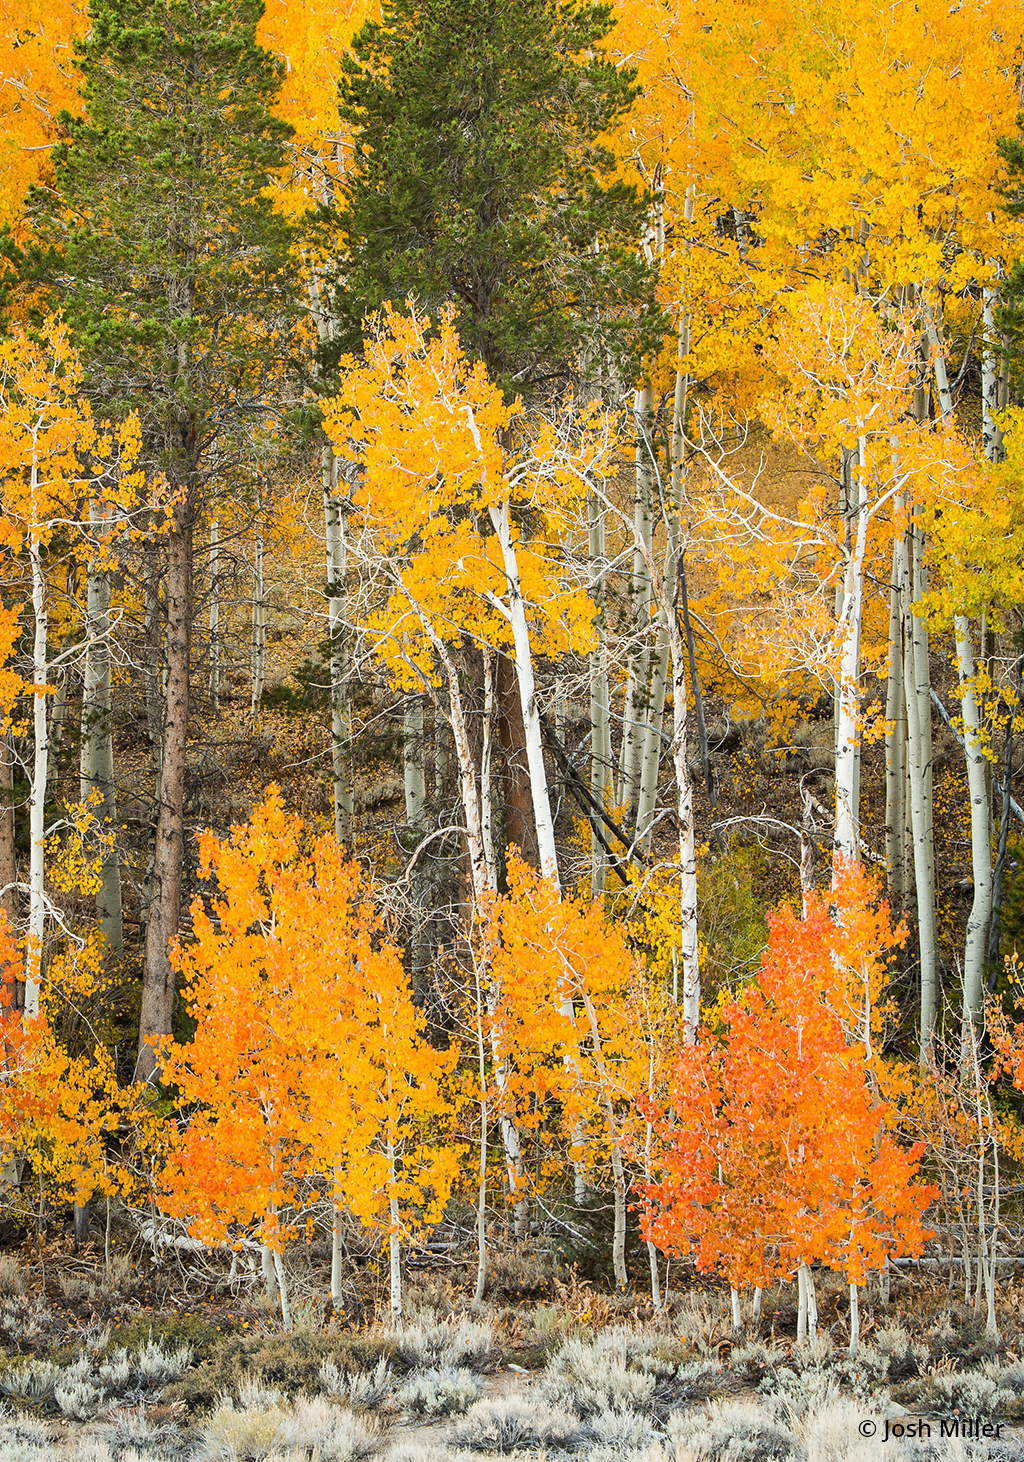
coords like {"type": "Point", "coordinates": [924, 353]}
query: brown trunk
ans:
{"type": "Point", "coordinates": [513, 773]}
{"type": "Point", "coordinates": [165, 893]}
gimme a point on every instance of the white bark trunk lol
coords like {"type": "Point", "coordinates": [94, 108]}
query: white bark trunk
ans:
{"type": "Point", "coordinates": [412, 761]}
{"type": "Point", "coordinates": [854, 1320]}
{"type": "Point", "coordinates": [919, 752]}
{"type": "Point", "coordinates": [337, 1256]}
{"type": "Point", "coordinates": [486, 746]}
{"type": "Point", "coordinates": [483, 881]}
{"type": "Point", "coordinates": [635, 706]}
{"type": "Point", "coordinates": [990, 380]}
{"type": "Point", "coordinates": [338, 637]}
{"type": "Point", "coordinates": [600, 730]}
{"type": "Point", "coordinates": [282, 1285]}
{"type": "Point", "coordinates": [259, 625]}
{"type": "Point", "coordinates": [895, 748]}
{"type": "Point", "coordinates": [40, 772]}
{"type": "Point", "coordinates": [737, 1312]}
{"type": "Point", "coordinates": [97, 750]}
{"type": "Point", "coordinates": [527, 695]}
{"type": "Point", "coordinates": [847, 834]}
{"type": "Point", "coordinates": [976, 945]}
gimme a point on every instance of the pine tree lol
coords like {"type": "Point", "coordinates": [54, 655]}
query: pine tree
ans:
{"type": "Point", "coordinates": [480, 180]}
{"type": "Point", "coordinates": [173, 269]}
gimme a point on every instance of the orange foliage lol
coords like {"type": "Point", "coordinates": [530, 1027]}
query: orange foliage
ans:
{"type": "Point", "coordinates": [776, 1147]}
{"type": "Point", "coordinates": [309, 1056]}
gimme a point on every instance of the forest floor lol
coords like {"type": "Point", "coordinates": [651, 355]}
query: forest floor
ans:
{"type": "Point", "coordinates": [142, 1362]}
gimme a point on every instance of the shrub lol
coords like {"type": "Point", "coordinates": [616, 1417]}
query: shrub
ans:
{"type": "Point", "coordinates": [438, 1392]}
{"type": "Point", "coordinates": [732, 1431]}
{"type": "Point", "coordinates": [12, 1277]}
{"type": "Point", "coordinates": [514, 1422]}
{"type": "Point", "coordinates": [368, 1389]}
{"type": "Point", "coordinates": [439, 1345]}
{"type": "Point", "coordinates": [290, 1362]}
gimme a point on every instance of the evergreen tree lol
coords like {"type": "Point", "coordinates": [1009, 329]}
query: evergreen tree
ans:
{"type": "Point", "coordinates": [480, 180]}
{"type": "Point", "coordinates": [174, 270]}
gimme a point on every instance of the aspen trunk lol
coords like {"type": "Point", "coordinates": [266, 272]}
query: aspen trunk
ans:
{"type": "Point", "coordinates": [895, 749]}
{"type": "Point", "coordinates": [481, 875]}
{"type": "Point", "coordinates": [40, 773]}
{"type": "Point", "coordinates": [165, 892]}
{"type": "Point", "coordinates": [259, 624]}
{"type": "Point", "coordinates": [737, 1312]}
{"type": "Point", "coordinates": [635, 706]}
{"type": "Point", "coordinates": [339, 650]}
{"type": "Point", "coordinates": [919, 753]}
{"type": "Point", "coordinates": [8, 854]}
{"type": "Point", "coordinates": [650, 763]}
{"type": "Point", "coordinates": [394, 1239]}
{"type": "Point", "coordinates": [990, 380]}
{"type": "Point", "coordinates": [807, 1311]}
{"type": "Point", "coordinates": [600, 725]}
{"type": "Point", "coordinates": [412, 761]}
{"type": "Point", "coordinates": [689, 948]}
{"type": "Point", "coordinates": [847, 834]}
{"type": "Point", "coordinates": [97, 742]}
{"type": "Point", "coordinates": [215, 616]}
{"type": "Point", "coordinates": [615, 1151]}
{"type": "Point", "coordinates": [337, 1256]}
{"type": "Point", "coordinates": [543, 821]}
{"type": "Point", "coordinates": [282, 1288]}
{"type": "Point", "coordinates": [481, 1204]}
{"type": "Point", "coordinates": [415, 817]}
{"type": "Point", "coordinates": [976, 946]}
{"type": "Point", "coordinates": [854, 1320]}
{"type": "Point", "coordinates": [486, 797]}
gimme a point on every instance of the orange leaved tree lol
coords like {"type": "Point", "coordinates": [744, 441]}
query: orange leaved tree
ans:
{"type": "Point", "coordinates": [309, 1057]}
{"type": "Point", "coordinates": [776, 1150]}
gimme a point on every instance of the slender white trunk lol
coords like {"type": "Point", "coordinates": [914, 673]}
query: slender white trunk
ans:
{"type": "Point", "coordinates": [40, 772]}
{"type": "Point", "coordinates": [653, 735]}
{"type": "Point", "coordinates": [807, 1312]}
{"type": "Point", "coordinates": [337, 1255]}
{"type": "Point", "coordinates": [215, 616]}
{"type": "Point", "coordinates": [338, 637]}
{"type": "Point", "coordinates": [259, 624]}
{"type": "Point", "coordinates": [688, 945]}
{"type": "Point", "coordinates": [412, 761]}
{"type": "Point", "coordinates": [282, 1285]}
{"type": "Point", "coordinates": [97, 750]}
{"type": "Point", "coordinates": [615, 1151]}
{"type": "Point", "coordinates": [990, 380]}
{"type": "Point", "coordinates": [481, 1205]}
{"type": "Point", "coordinates": [527, 695]}
{"type": "Point", "coordinates": [394, 1239]}
{"type": "Point", "coordinates": [635, 706]}
{"type": "Point", "coordinates": [600, 730]}
{"type": "Point", "coordinates": [483, 880]}
{"type": "Point", "coordinates": [895, 747]}
{"type": "Point", "coordinates": [737, 1312]}
{"type": "Point", "coordinates": [854, 1320]}
{"type": "Point", "coordinates": [755, 1311]}
{"type": "Point", "coordinates": [847, 834]}
{"type": "Point", "coordinates": [919, 752]}
{"type": "Point", "coordinates": [486, 799]}
{"type": "Point", "coordinates": [976, 946]}
{"type": "Point", "coordinates": [269, 1272]}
